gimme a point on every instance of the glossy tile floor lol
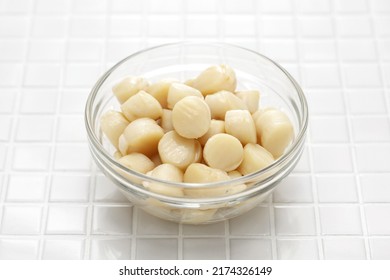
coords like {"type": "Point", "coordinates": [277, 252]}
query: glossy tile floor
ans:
{"type": "Point", "coordinates": [55, 204]}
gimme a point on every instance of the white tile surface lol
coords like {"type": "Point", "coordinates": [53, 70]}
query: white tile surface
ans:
{"type": "Point", "coordinates": [66, 219]}
{"type": "Point", "coordinates": [63, 249]}
{"type": "Point", "coordinates": [115, 220]}
{"type": "Point", "coordinates": [55, 204]}
{"type": "Point", "coordinates": [295, 220]}
{"type": "Point", "coordinates": [349, 248]}
{"type": "Point", "coordinates": [21, 220]}
{"type": "Point", "coordinates": [297, 249]}
{"type": "Point", "coordinates": [26, 187]}
{"type": "Point", "coordinates": [110, 249]}
{"type": "Point", "coordinates": [250, 249]}
{"type": "Point", "coordinates": [343, 219]}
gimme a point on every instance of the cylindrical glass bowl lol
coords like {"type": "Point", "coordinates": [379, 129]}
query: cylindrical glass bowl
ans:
{"type": "Point", "coordinates": [183, 61]}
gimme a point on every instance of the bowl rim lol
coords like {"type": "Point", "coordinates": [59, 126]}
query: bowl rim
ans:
{"type": "Point", "coordinates": [294, 146]}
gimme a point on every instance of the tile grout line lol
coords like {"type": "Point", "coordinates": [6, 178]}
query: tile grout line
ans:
{"type": "Point", "coordinates": [15, 113]}
{"type": "Point", "coordinates": [379, 59]}
{"type": "Point", "coordinates": [143, 44]}
{"type": "Point", "coordinates": [269, 204]}
{"type": "Point", "coordinates": [350, 134]}
{"type": "Point", "coordinates": [55, 130]}
{"type": "Point", "coordinates": [93, 172]}
{"type": "Point", "coordinates": [308, 145]}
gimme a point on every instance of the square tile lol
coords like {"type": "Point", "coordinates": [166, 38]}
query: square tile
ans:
{"type": "Point", "coordinates": [17, 6]}
{"type": "Point", "coordinates": [384, 48]}
{"type": "Point", "coordinates": [239, 26]}
{"type": "Point", "coordinates": [41, 74]}
{"type": "Point", "coordinates": [35, 128]}
{"type": "Point", "coordinates": [63, 249]}
{"type": "Point", "coordinates": [3, 156]}
{"type": "Point", "coordinates": [49, 27]}
{"type": "Point", "coordinates": [115, 220]}
{"type": "Point", "coordinates": [168, 7]}
{"type": "Point", "coordinates": [126, 6]}
{"type": "Point", "coordinates": [71, 129]}
{"type": "Point", "coordinates": [128, 26]}
{"type": "Point", "coordinates": [349, 51]}
{"type": "Point", "coordinates": [72, 157]}
{"type": "Point", "coordinates": [157, 249]}
{"type": "Point", "coordinates": [250, 249]}
{"type": "Point", "coordinates": [351, 6]}
{"type": "Point", "coordinates": [110, 249]}
{"type": "Point", "coordinates": [276, 6]}
{"type": "Point", "coordinates": [202, 26]}
{"type": "Point", "coordinates": [26, 187]}
{"type": "Point", "coordinates": [329, 129]}
{"type": "Point", "coordinates": [371, 129]}
{"type": "Point", "coordinates": [151, 225]}
{"type": "Point", "coordinates": [376, 214]}
{"type": "Point", "coordinates": [380, 248]}
{"type": "Point", "coordinates": [38, 101]}
{"type": "Point", "coordinates": [234, 7]}
{"type": "Point", "coordinates": [319, 26]}
{"type": "Point", "coordinates": [87, 27]}
{"type": "Point", "coordinates": [85, 50]}
{"type": "Point", "coordinates": [303, 164]}
{"type": "Point", "coordinates": [204, 249]}
{"type": "Point", "coordinates": [31, 157]}
{"type": "Point", "coordinates": [361, 75]}
{"type": "Point", "coordinates": [366, 102]}
{"type": "Point", "coordinates": [346, 26]}
{"type": "Point", "coordinates": [316, 6]}
{"type": "Point", "coordinates": [7, 100]}
{"type": "Point", "coordinates": [5, 124]}
{"type": "Point", "coordinates": [317, 50]}
{"type": "Point", "coordinates": [73, 101]}
{"type": "Point", "coordinates": [281, 50]}
{"type": "Point", "coordinates": [294, 188]}
{"type": "Point", "coordinates": [373, 158]}
{"type": "Point", "coordinates": [164, 27]}
{"type": "Point", "coordinates": [325, 160]}
{"type": "Point", "coordinates": [21, 220]}
{"type": "Point", "coordinates": [81, 74]}
{"type": "Point", "coordinates": [19, 26]}
{"type": "Point", "coordinates": [70, 188]}
{"type": "Point", "coordinates": [326, 102]}
{"type": "Point", "coordinates": [107, 191]}
{"type": "Point", "coordinates": [254, 222]}
{"type": "Point", "coordinates": [12, 49]}
{"type": "Point", "coordinates": [344, 248]}
{"type": "Point", "coordinates": [46, 50]}
{"type": "Point", "coordinates": [118, 49]}
{"type": "Point", "coordinates": [11, 73]}
{"type": "Point", "coordinates": [381, 24]}
{"type": "Point", "coordinates": [295, 220]}
{"type": "Point", "coordinates": [375, 187]}
{"type": "Point", "coordinates": [207, 229]}
{"type": "Point", "coordinates": [276, 26]}
{"type": "Point", "coordinates": [340, 219]}
{"type": "Point", "coordinates": [297, 249]}
{"type": "Point", "coordinates": [64, 219]}
{"type": "Point", "coordinates": [321, 76]}
{"type": "Point", "coordinates": [336, 188]}
{"type": "Point", "coordinates": [380, 6]}
{"type": "Point", "coordinates": [52, 6]}
{"type": "Point", "coordinates": [89, 6]}
{"type": "Point", "coordinates": [19, 249]}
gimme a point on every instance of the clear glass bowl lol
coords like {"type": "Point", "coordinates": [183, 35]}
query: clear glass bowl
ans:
{"type": "Point", "coordinates": [184, 61]}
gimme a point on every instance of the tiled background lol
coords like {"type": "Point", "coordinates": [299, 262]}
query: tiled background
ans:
{"type": "Point", "coordinates": [55, 204]}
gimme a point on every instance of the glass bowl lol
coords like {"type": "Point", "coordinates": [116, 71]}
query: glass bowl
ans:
{"type": "Point", "coordinates": [183, 61]}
